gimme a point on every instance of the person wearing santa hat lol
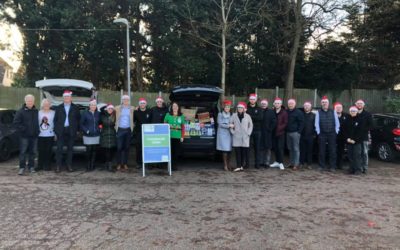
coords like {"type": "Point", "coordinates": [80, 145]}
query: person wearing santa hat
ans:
{"type": "Point", "coordinates": [66, 127]}
{"type": "Point", "coordinates": [224, 137]}
{"type": "Point", "coordinates": [279, 133]}
{"type": "Point", "coordinates": [268, 125]}
{"type": "Point", "coordinates": [256, 115]}
{"type": "Point", "coordinates": [124, 125]}
{"type": "Point", "coordinates": [366, 120]}
{"type": "Point", "coordinates": [108, 136]}
{"type": "Point", "coordinates": [141, 116]}
{"type": "Point", "coordinates": [340, 140]}
{"type": "Point", "coordinates": [327, 127]}
{"type": "Point", "coordinates": [293, 132]}
{"type": "Point", "coordinates": [90, 121]}
{"type": "Point", "coordinates": [354, 139]}
{"type": "Point", "coordinates": [159, 111]}
{"type": "Point", "coordinates": [307, 136]}
{"type": "Point", "coordinates": [241, 132]}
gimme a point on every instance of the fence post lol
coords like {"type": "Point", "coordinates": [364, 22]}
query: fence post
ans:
{"type": "Point", "coordinates": [276, 91]}
{"type": "Point", "coordinates": [315, 97]}
{"type": "Point", "coordinates": [256, 92]}
{"type": "Point", "coordinates": [233, 100]}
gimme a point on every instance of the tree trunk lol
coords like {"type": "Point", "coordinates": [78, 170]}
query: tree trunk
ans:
{"type": "Point", "coordinates": [293, 51]}
{"type": "Point", "coordinates": [223, 50]}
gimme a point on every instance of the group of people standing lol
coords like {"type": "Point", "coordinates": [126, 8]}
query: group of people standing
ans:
{"type": "Point", "coordinates": [110, 128]}
{"type": "Point", "coordinates": [269, 129]}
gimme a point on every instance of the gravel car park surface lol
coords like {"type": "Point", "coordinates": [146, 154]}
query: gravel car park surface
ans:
{"type": "Point", "coordinates": [200, 207]}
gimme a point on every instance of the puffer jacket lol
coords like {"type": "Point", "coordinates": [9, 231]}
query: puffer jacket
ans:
{"type": "Point", "coordinates": [108, 136]}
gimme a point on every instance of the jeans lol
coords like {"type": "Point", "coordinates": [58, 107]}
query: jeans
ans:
{"type": "Point", "coordinates": [242, 157]}
{"type": "Point", "coordinates": [354, 154]}
{"type": "Point", "coordinates": [256, 142]}
{"type": "Point", "coordinates": [279, 144]}
{"type": "Point", "coordinates": [123, 144]}
{"type": "Point", "coordinates": [45, 146]}
{"type": "Point", "coordinates": [293, 144]}
{"type": "Point", "coordinates": [65, 138]}
{"type": "Point", "coordinates": [27, 148]}
{"type": "Point", "coordinates": [364, 156]}
{"type": "Point", "coordinates": [323, 139]}
{"type": "Point", "coordinates": [306, 149]}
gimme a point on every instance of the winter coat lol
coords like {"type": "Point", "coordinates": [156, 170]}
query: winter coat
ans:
{"type": "Point", "coordinates": [26, 122]}
{"type": "Point", "coordinates": [354, 129]}
{"type": "Point", "coordinates": [295, 121]}
{"type": "Point", "coordinates": [90, 123]}
{"type": "Point", "coordinates": [242, 130]}
{"type": "Point", "coordinates": [309, 125]}
{"type": "Point", "coordinates": [141, 117]}
{"type": "Point", "coordinates": [366, 121]}
{"type": "Point", "coordinates": [108, 136]}
{"type": "Point", "coordinates": [281, 122]}
{"type": "Point", "coordinates": [268, 125]}
{"type": "Point", "coordinates": [158, 114]}
{"type": "Point", "coordinates": [256, 114]}
{"type": "Point", "coordinates": [342, 120]}
{"type": "Point", "coordinates": [74, 117]}
{"type": "Point", "coordinates": [224, 137]}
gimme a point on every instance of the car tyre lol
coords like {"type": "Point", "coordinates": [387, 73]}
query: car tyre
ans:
{"type": "Point", "coordinates": [5, 150]}
{"type": "Point", "coordinates": [385, 152]}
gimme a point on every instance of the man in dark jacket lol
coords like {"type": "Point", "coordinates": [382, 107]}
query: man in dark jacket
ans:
{"type": "Point", "coordinates": [307, 136]}
{"type": "Point", "coordinates": [256, 115]}
{"type": "Point", "coordinates": [267, 127]}
{"type": "Point", "coordinates": [293, 131]}
{"type": "Point", "coordinates": [159, 111]}
{"type": "Point", "coordinates": [141, 116]}
{"type": "Point", "coordinates": [26, 121]}
{"type": "Point", "coordinates": [327, 127]}
{"type": "Point", "coordinates": [279, 133]}
{"type": "Point", "coordinates": [66, 127]}
{"type": "Point", "coordinates": [340, 140]}
{"type": "Point", "coordinates": [366, 120]}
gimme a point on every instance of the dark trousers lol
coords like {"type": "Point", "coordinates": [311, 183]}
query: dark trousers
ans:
{"type": "Point", "coordinates": [329, 139]}
{"type": "Point", "coordinates": [279, 144]}
{"type": "Point", "coordinates": [45, 145]}
{"type": "Point", "coordinates": [354, 154]}
{"type": "Point", "coordinates": [256, 143]}
{"type": "Point", "coordinates": [66, 138]}
{"type": "Point", "coordinates": [139, 152]}
{"type": "Point", "coordinates": [340, 142]}
{"type": "Point", "coordinates": [109, 154]}
{"type": "Point", "coordinates": [123, 144]}
{"type": "Point", "coordinates": [91, 156]}
{"type": "Point", "coordinates": [242, 157]}
{"type": "Point", "coordinates": [27, 149]}
{"type": "Point", "coordinates": [306, 149]}
{"type": "Point", "coordinates": [175, 151]}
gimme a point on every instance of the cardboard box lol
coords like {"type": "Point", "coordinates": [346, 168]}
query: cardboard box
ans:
{"type": "Point", "coordinates": [189, 114]}
{"type": "Point", "coordinates": [204, 117]}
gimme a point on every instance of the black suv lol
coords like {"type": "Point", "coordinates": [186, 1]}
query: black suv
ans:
{"type": "Point", "coordinates": [9, 138]}
{"type": "Point", "coordinates": [199, 104]}
{"type": "Point", "coordinates": [385, 136]}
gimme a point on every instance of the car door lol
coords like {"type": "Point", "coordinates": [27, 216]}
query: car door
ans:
{"type": "Point", "coordinates": [8, 130]}
{"type": "Point", "coordinates": [377, 131]}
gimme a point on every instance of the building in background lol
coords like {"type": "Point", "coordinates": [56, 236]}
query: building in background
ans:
{"type": "Point", "coordinates": [6, 73]}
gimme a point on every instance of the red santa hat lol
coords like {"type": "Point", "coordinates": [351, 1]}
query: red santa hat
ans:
{"type": "Point", "coordinates": [292, 100]}
{"type": "Point", "coordinates": [353, 108]}
{"type": "Point", "coordinates": [242, 105]}
{"type": "Point", "coordinates": [142, 100]}
{"type": "Point", "coordinates": [324, 98]}
{"type": "Point", "coordinates": [307, 103]}
{"type": "Point", "coordinates": [277, 100]}
{"type": "Point", "coordinates": [360, 101]}
{"type": "Point", "coordinates": [264, 101]}
{"type": "Point", "coordinates": [227, 103]}
{"type": "Point", "coordinates": [159, 99]}
{"type": "Point", "coordinates": [67, 93]}
{"type": "Point", "coordinates": [337, 104]}
{"type": "Point", "coordinates": [109, 106]}
{"type": "Point", "coordinates": [252, 96]}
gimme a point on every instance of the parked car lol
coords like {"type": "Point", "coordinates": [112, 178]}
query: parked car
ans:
{"type": "Point", "coordinates": [199, 103]}
{"type": "Point", "coordinates": [385, 136]}
{"type": "Point", "coordinates": [9, 138]}
{"type": "Point", "coordinates": [82, 93]}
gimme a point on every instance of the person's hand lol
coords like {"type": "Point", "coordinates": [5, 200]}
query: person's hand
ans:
{"type": "Point", "coordinates": [55, 137]}
{"type": "Point", "coordinates": [231, 125]}
{"type": "Point", "coordinates": [182, 139]}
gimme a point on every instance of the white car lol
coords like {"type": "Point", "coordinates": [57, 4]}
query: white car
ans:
{"type": "Point", "coordinates": [82, 93]}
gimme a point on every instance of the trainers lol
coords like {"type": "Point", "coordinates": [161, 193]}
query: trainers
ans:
{"type": "Point", "coordinates": [32, 170]}
{"type": "Point", "coordinates": [21, 171]}
{"type": "Point", "coordinates": [281, 167]}
{"type": "Point", "coordinates": [274, 165]}
{"type": "Point", "coordinates": [238, 169]}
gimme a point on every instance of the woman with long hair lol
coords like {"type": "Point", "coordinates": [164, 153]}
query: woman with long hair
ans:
{"type": "Point", "coordinates": [108, 136]}
{"type": "Point", "coordinates": [46, 136]}
{"type": "Point", "coordinates": [176, 122]}
{"type": "Point", "coordinates": [224, 136]}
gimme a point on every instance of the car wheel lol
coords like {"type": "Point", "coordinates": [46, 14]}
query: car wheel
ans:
{"type": "Point", "coordinates": [5, 150]}
{"type": "Point", "coordinates": [385, 152]}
